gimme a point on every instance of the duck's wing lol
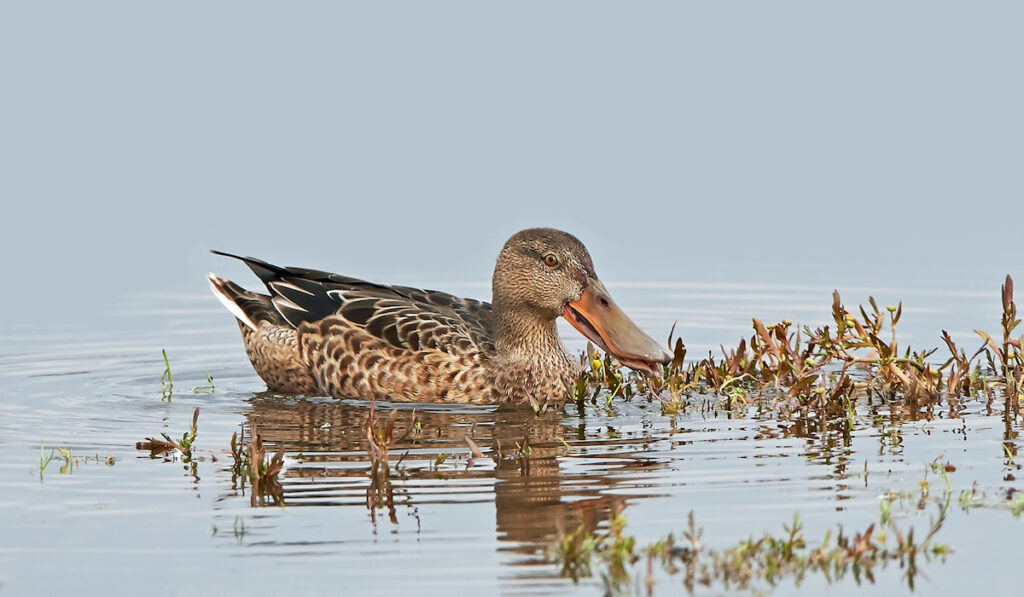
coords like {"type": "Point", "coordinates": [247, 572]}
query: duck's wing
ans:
{"type": "Point", "coordinates": [403, 317]}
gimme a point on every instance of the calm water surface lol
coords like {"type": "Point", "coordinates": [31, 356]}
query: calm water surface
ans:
{"type": "Point", "coordinates": [720, 161]}
{"type": "Point", "coordinates": [121, 522]}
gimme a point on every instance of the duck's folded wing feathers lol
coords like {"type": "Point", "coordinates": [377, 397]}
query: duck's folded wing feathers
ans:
{"type": "Point", "coordinates": [403, 317]}
{"type": "Point", "coordinates": [416, 325]}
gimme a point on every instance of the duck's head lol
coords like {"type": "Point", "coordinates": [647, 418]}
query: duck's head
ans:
{"type": "Point", "coordinates": [543, 273]}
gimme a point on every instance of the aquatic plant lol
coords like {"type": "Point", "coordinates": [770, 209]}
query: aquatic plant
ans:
{"type": "Point", "coordinates": [263, 472]}
{"type": "Point", "coordinates": [44, 460]}
{"type": "Point", "coordinates": [183, 446]}
{"type": "Point", "coordinates": [252, 462]}
{"type": "Point", "coordinates": [166, 381]}
{"type": "Point", "coordinates": [752, 562]}
{"type": "Point", "coordinates": [523, 452]}
{"type": "Point", "coordinates": [69, 458]}
{"type": "Point", "coordinates": [615, 550]}
{"type": "Point", "coordinates": [380, 437]}
{"type": "Point", "coordinates": [209, 388]}
{"type": "Point", "coordinates": [240, 459]}
{"type": "Point", "coordinates": [599, 372]}
{"type": "Point", "coordinates": [822, 372]}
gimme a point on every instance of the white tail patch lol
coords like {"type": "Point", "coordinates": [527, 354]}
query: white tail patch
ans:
{"type": "Point", "coordinates": [217, 285]}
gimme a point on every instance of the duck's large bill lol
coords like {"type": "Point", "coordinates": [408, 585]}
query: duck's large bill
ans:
{"type": "Point", "coordinates": [598, 318]}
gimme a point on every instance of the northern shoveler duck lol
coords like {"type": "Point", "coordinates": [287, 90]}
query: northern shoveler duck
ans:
{"type": "Point", "coordinates": [319, 333]}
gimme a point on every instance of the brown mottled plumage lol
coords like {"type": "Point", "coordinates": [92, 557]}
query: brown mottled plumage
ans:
{"type": "Point", "coordinates": [322, 333]}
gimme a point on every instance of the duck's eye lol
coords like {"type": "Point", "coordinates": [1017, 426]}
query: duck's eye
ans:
{"type": "Point", "coordinates": [550, 260]}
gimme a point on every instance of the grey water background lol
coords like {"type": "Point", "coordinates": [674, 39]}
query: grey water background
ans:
{"type": "Point", "coordinates": [721, 160]}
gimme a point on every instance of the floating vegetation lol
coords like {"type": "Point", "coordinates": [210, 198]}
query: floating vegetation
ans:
{"type": "Point", "coordinates": [752, 563]}
{"type": "Point", "coordinates": [803, 374]}
{"type": "Point", "coordinates": [615, 550]}
{"type": "Point", "coordinates": [209, 388]}
{"type": "Point", "coordinates": [169, 444]}
{"type": "Point", "coordinates": [69, 458]}
{"type": "Point", "coordinates": [824, 371]}
{"type": "Point", "coordinates": [71, 461]}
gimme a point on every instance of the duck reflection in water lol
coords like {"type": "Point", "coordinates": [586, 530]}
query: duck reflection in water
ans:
{"type": "Point", "coordinates": [520, 469]}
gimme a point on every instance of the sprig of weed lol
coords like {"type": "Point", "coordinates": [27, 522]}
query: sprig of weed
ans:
{"type": "Point", "coordinates": [381, 437]}
{"type": "Point", "coordinates": [66, 454]}
{"type": "Point", "coordinates": [263, 472]}
{"type": "Point", "coordinates": [254, 464]}
{"type": "Point", "coordinates": [209, 388]}
{"type": "Point", "coordinates": [166, 381]}
{"type": "Point", "coordinates": [183, 446]}
{"type": "Point", "coordinates": [70, 460]}
{"type": "Point", "coordinates": [44, 460]}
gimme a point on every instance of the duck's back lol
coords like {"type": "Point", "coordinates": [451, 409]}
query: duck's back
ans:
{"type": "Point", "coordinates": [358, 339]}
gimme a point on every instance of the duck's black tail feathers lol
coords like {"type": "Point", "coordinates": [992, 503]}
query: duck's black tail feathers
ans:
{"type": "Point", "coordinates": [267, 272]}
{"type": "Point", "coordinates": [249, 307]}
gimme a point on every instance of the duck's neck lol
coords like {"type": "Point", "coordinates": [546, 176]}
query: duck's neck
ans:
{"type": "Point", "coordinates": [530, 364]}
{"type": "Point", "coordinates": [526, 336]}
